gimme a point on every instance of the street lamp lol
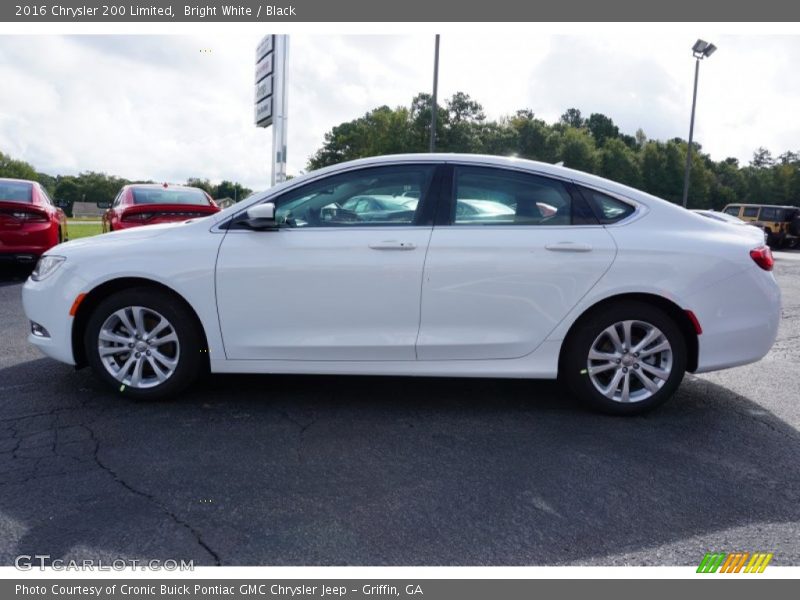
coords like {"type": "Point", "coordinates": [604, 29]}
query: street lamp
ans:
{"type": "Point", "coordinates": [700, 50]}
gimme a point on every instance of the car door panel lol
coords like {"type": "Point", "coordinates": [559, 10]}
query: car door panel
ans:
{"type": "Point", "coordinates": [324, 292]}
{"type": "Point", "coordinates": [496, 290]}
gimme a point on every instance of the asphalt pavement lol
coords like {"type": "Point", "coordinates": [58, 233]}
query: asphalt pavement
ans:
{"type": "Point", "coordinates": [300, 470]}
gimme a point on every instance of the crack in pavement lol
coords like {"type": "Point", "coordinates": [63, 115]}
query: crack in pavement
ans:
{"type": "Point", "coordinates": [303, 427]}
{"type": "Point", "coordinates": [179, 521]}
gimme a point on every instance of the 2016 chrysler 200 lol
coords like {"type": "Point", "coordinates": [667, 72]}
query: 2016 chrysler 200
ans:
{"type": "Point", "coordinates": [469, 266]}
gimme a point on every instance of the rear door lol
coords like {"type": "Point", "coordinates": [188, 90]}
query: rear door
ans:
{"type": "Point", "coordinates": [516, 252]}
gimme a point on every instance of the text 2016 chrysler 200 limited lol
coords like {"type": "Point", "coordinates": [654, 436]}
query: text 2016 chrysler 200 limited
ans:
{"type": "Point", "coordinates": [435, 265]}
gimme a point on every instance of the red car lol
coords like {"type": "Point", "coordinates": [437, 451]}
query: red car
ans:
{"type": "Point", "coordinates": [150, 203]}
{"type": "Point", "coordinates": [30, 222]}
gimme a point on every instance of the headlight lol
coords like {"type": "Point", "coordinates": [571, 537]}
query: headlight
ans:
{"type": "Point", "coordinates": [46, 266]}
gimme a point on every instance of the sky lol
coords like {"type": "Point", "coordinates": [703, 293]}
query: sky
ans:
{"type": "Point", "coordinates": [171, 107]}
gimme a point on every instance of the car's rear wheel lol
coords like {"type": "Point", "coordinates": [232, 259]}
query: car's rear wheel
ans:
{"type": "Point", "coordinates": [626, 358]}
{"type": "Point", "coordinates": [144, 344]}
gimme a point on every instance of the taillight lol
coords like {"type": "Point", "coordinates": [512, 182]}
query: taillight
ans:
{"type": "Point", "coordinates": [29, 217]}
{"type": "Point", "coordinates": [763, 257]}
{"type": "Point", "coordinates": [137, 216]}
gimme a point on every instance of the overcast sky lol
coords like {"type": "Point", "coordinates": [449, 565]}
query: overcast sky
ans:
{"type": "Point", "coordinates": [156, 107]}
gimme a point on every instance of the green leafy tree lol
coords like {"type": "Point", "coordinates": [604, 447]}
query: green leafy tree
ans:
{"type": "Point", "coordinates": [16, 169]}
{"type": "Point", "coordinates": [619, 163]}
{"type": "Point", "coordinates": [602, 128]}
{"type": "Point", "coordinates": [572, 118]}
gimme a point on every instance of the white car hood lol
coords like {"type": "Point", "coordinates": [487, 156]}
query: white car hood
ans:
{"type": "Point", "coordinates": [134, 234]}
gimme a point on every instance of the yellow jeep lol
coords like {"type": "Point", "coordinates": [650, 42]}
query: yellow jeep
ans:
{"type": "Point", "coordinates": [780, 223]}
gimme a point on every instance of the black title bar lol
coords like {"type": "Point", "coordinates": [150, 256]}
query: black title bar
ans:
{"type": "Point", "coordinates": [77, 11]}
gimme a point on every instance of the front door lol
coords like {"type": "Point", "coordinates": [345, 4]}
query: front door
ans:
{"type": "Point", "coordinates": [339, 279]}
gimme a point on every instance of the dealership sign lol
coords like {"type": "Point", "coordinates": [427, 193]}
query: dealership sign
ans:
{"type": "Point", "coordinates": [270, 98]}
{"type": "Point", "coordinates": [264, 80]}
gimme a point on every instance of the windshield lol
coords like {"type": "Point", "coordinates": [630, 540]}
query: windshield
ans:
{"type": "Point", "coordinates": [16, 191]}
{"type": "Point", "coordinates": [169, 196]}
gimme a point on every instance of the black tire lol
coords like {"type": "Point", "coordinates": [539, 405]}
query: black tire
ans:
{"type": "Point", "coordinates": [190, 359]}
{"type": "Point", "coordinates": [573, 371]}
{"type": "Point", "coordinates": [794, 226]}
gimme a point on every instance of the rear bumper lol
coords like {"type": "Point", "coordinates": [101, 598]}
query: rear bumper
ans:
{"type": "Point", "coordinates": [740, 318]}
{"type": "Point", "coordinates": [30, 239]}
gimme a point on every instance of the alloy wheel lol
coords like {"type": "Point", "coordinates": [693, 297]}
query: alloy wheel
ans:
{"type": "Point", "coordinates": [139, 347]}
{"type": "Point", "coordinates": [629, 361]}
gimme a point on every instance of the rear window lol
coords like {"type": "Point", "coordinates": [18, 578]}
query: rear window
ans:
{"type": "Point", "coordinates": [169, 196]}
{"type": "Point", "coordinates": [16, 191]}
{"type": "Point", "coordinates": [607, 209]}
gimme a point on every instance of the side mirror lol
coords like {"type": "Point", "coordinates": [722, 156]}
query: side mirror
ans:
{"type": "Point", "coordinates": [103, 204]}
{"type": "Point", "coordinates": [261, 216]}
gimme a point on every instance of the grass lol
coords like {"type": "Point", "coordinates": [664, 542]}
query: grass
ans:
{"type": "Point", "coordinates": [76, 229]}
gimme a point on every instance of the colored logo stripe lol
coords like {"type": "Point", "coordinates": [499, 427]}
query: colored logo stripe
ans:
{"type": "Point", "coordinates": [734, 562]}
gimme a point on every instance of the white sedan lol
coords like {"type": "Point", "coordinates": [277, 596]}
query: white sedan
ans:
{"type": "Point", "coordinates": [615, 292]}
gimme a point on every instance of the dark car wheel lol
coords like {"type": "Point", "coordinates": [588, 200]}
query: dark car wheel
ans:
{"type": "Point", "coordinates": [794, 226]}
{"type": "Point", "coordinates": [144, 344]}
{"type": "Point", "coordinates": [624, 359]}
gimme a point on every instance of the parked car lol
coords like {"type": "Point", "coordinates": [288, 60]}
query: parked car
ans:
{"type": "Point", "coordinates": [780, 223]}
{"type": "Point", "coordinates": [152, 203]}
{"type": "Point", "coordinates": [30, 222]}
{"type": "Point", "coordinates": [753, 230]}
{"type": "Point", "coordinates": [617, 293]}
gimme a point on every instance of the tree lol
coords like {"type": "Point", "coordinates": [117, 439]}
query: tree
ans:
{"type": "Point", "coordinates": [67, 192]}
{"type": "Point", "coordinates": [578, 150]}
{"type": "Point", "coordinates": [572, 118]}
{"type": "Point", "coordinates": [602, 128]}
{"type": "Point", "coordinates": [618, 162]}
{"type": "Point", "coordinates": [762, 158]}
{"type": "Point", "coordinates": [203, 184]}
{"type": "Point", "coordinates": [16, 169]}
{"type": "Point", "coordinates": [228, 189]}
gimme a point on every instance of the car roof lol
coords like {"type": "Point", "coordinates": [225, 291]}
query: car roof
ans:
{"type": "Point", "coordinates": [15, 180]}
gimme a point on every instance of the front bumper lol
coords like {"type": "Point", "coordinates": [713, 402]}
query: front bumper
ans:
{"type": "Point", "coordinates": [21, 258]}
{"type": "Point", "coordinates": [47, 303]}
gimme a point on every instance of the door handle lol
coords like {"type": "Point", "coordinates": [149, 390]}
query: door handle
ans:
{"type": "Point", "coordinates": [568, 247]}
{"type": "Point", "coordinates": [392, 245]}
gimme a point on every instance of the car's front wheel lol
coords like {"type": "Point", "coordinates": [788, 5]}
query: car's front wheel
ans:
{"type": "Point", "coordinates": [626, 358]}
{"type": "Point", "coordinates": [144, 343]}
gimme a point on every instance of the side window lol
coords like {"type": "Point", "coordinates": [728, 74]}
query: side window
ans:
{"type": "Point", "coordinates": [118, 199]}
{"type": "Point", "coordinates": [732, 210]}
{"type": "Point", "coordinates": [488, 196]}
{"type": "Point", "coordinates": [751, 211]}
{"type": "Point", "coordinates": [45, 195]}
{"type": "Point", "coordinates": [608, 209]}
{"type": "Point", "coordinates": [371, 197]}
{"type": "Point", "coordinates": [769, 214]}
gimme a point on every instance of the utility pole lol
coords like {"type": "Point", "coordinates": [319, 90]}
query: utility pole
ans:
{"type": "Point", "coordinates": [434, 101]}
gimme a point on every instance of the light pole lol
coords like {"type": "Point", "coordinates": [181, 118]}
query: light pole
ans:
{"type": "Point", "coordinates": [435, 93]}
{"type": "Point", "coordinates": [700, 50]}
